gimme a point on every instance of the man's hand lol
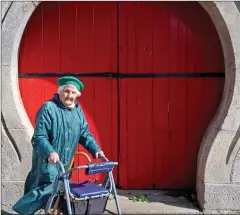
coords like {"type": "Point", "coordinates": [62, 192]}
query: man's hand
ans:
{"type": "Point", "coordinates": [98, 154]}
{"type": "Point", "coordinates": [53, 158]}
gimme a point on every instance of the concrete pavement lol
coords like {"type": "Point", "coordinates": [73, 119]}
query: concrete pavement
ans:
{"type": "Point", "coordinates": [161, 202]}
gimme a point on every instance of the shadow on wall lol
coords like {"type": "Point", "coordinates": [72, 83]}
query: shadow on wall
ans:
{"type": "Point", "coordinates": [238, 5]}
{"type": "Point", "coordinates": [233, 144]}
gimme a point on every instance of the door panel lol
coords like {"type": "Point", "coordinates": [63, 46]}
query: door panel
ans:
{"type": "Point", "coordinates": [138, 132]}
{"type": "Point", "coordinates": [161, 135]}
{"type": "Point", "coordinates": [101, 113]}
{"type": "Point", "coordinates": [162, 40]}
{"type": "Point", "coordinates": [69, 38]}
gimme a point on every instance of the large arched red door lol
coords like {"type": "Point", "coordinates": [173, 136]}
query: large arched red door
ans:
{"type": "Point", "coordinates": [153, 75]}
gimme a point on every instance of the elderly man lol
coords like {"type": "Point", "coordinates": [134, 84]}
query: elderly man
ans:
{"type": "Point", "coordinates": [60, 126]}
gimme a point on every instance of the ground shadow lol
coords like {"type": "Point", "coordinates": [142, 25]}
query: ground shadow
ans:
{"type": "Point", "coordinates": [184, 199]}
{"type": "Point", "coordinates": [5, 212]}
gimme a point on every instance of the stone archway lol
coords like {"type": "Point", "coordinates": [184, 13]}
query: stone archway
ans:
{"type": "Point", "coordinates": [218, 163]}
{"type": "Point", "coordinates": [218, 172]}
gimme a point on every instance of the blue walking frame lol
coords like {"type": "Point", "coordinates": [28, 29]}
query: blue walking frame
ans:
{"type": "Point", "coordinates": [84, 197]}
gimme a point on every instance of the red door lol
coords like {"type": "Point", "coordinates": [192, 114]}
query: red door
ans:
{"type": "Point", "coordinates": [153, 80]}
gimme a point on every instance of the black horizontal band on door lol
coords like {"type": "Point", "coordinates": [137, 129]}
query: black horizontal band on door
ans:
{"type": "Point", "coordinates": [129, 75]}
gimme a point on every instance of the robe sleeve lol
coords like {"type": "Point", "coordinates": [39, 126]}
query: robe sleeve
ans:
{"type": "Point", "coordinates": [86, 139]}
{"type": "Point", "coordinates": [41, 137]}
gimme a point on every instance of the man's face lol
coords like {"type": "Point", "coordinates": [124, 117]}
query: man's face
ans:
{"type": "Point", "coordinates": [68, 95]}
